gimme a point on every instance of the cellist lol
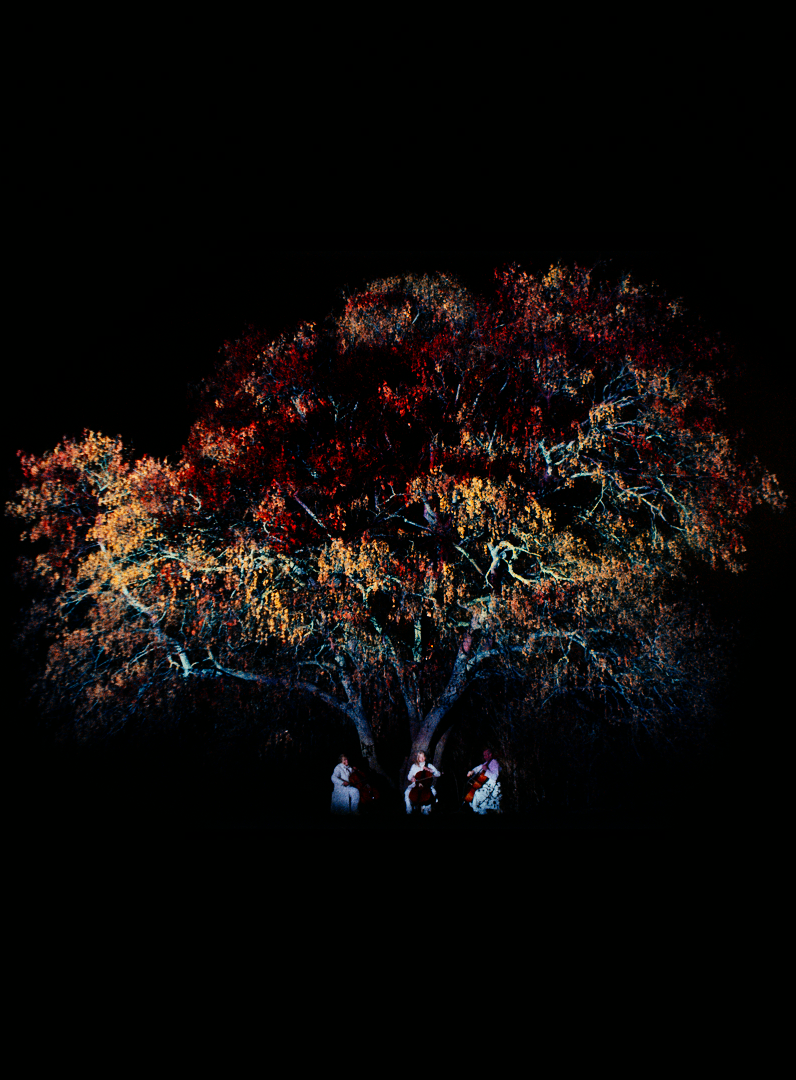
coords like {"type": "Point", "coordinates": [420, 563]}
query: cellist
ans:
{"type": "Point", "coordinates": [345, 796]}
{"type": "Point", "coordinates": [414, 794]}
{"type": "Point", "coordinates": [484, 793]}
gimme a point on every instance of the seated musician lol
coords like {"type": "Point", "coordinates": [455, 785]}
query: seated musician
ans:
{"type": "Point", "coordinates": [345, 796]}
{"type": "Point", "coordinates": [421, 791]}
{"type": "Point", "coordinates": [486, 795]}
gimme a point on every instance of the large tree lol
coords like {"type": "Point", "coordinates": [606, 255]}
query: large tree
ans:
{"type": "Point", "coordinates": [426, 490]}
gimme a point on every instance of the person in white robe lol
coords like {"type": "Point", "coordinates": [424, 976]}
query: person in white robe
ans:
{"type": "Point", "coordinates": [345, 797]}
{"type": "Point", "coordinates": [420, 764]}
{"type": "Point", "coordinates": [487, 797]}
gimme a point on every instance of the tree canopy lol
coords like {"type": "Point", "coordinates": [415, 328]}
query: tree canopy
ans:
{"type": "Point", "coordinates": [424, 492]}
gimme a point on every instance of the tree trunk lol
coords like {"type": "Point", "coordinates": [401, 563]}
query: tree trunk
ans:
{"type": "Point", "coordinates": [366, 742]}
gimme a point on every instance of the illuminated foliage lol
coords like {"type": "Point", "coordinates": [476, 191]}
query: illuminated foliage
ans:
{"type": "Point", "coordinates": [425, 490]}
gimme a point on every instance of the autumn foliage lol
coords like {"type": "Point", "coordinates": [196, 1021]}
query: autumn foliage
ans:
{"type": "Point", "coordinates": [424, 492]}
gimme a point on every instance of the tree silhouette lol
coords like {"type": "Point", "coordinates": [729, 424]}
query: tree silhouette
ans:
{"type": "Point", "coordinates": [382, 511]}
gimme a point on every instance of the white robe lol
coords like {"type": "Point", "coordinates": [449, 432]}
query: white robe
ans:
{"type": "Point", "coordinates": [345, 800]}
{"type": "Point", "coordinates": [488, 795]}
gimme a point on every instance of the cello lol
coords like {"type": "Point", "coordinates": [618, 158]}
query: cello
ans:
{"type": "Point", "coordinates": [420, 794]}
{"type": "Point", "coordinates": [478, 781]}
{"type": "Point", "coordinates": [367, 793]}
